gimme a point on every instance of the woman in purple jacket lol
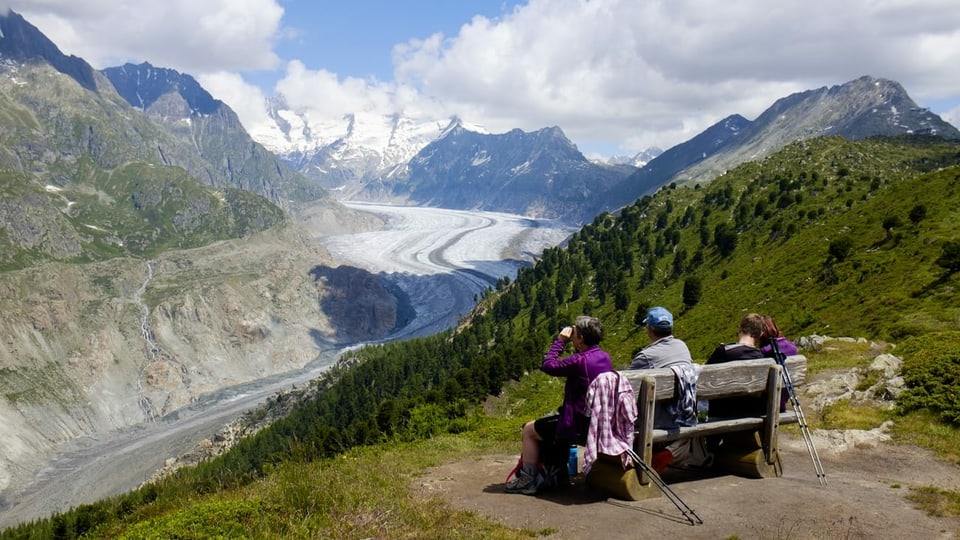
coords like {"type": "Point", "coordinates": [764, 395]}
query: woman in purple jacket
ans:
{"type": "Point", "coordinates": [771, 333]}
{"type": "Point", "coordinates": [570, 425]}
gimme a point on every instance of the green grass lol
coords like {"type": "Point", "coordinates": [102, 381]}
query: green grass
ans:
{"type": "Point", "coordinates": [936, 502]}
{"type": "Point", "coordinates": [364, 493]}
{"type": "Point", "coordinates": [846, 415]}
{"type": "Point", "coordinates": [925, 430]}
{"type": "Point", "coordinates": [842, 355]}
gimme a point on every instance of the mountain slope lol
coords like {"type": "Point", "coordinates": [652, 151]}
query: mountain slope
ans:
{"type": "Point", "coordinates": [178, 102]}
{"type": "Point", "coordinates": [537, 174]}
{"type": "Point", "coordinates": [827, 235]}
{"type": "Point", "coordinates": [859, 109]}
{"type": "Point", "coordinates": [86, 179]}
{"type": "Point", "coordinates": [65, 135]}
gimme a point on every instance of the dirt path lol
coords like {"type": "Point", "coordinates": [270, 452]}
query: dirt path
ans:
{"type": "Point", "coordinates": [865, 498]}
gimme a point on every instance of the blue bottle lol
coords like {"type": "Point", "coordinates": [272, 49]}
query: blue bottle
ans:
{"type": "Point", "coordinates": [572, 461]}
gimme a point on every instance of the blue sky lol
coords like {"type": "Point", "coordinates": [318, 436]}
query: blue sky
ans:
{"type": "Point", "coordinates": [354, 38]}
{"type": "Point", "coordinates": [618, 76]}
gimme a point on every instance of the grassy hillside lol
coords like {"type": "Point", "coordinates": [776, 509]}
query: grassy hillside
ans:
{"type": "Point", "coordinates": [137, 209]}
{"type": "Point", "coordinates": [828, 236]}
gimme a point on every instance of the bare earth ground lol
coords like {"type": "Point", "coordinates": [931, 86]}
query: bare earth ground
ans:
{"type": "Point", "coordinates": [865, 497]}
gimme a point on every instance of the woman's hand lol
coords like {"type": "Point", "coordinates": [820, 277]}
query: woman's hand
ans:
{"type": "Point", "coordinates": [567, 333]}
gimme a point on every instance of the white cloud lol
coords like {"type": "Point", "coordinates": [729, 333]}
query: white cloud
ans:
{"type": "Point", "coordinates": [327, 95]}
{"type": "Point", "coordinates": [244, 98]}
{"type": "Point", "coordinates": [609, 72]}
{"type": "Point", "coordinates": [952, 116]}
{"type": "Point", "coordinates": [191, 36]}
{"type": "Point", "coordinates": [326, 98]}
{"type": "Point", "coordinates": [660, 72]}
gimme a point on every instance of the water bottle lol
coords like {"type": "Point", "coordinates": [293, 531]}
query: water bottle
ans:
{"type": "Point", "coordinates": [572, 461]}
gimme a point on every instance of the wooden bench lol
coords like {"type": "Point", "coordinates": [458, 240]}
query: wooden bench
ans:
{"type": "Point", "coordinates": [753, 451]}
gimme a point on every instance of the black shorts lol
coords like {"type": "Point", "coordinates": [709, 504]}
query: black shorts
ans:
{"type": "Point", "coordinates": [552, 451]}
{"type": "Point", "coordinates": [546, 427]}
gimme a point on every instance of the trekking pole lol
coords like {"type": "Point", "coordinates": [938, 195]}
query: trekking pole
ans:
{"type": "Point", "coordinates": [674, 498]}
{"type": "Point", "coordinates": [781, 358]}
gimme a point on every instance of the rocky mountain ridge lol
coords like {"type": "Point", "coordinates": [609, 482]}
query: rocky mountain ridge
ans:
{"type": "Point", "coordinates": [865, 107]}
{"type": "Point", "coordinates": [673, 161]}
{"type": "Point", "coordinates": [539, 174]}
{"type": "Point", "coordinates": [20, 42]}
{"type": "Point", "coordinates": [859, 109]}
{"type": "Point", "coordinates": [214, 131]}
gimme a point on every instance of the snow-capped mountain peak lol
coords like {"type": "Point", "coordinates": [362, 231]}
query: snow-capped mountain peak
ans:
{"type": "Point", "coordinates": [352, 149]}
{"type": "Point", "coordinates": [637, 160]}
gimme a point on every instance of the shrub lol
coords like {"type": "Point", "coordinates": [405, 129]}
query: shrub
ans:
{"type": "Point", "coordinates": [931, 371]}
{"type": "Point", "coordinates": [692, 290]}
{"type": "Point", "coordinates": [725, 238]}
{"type": "Point", "coordinates": [950, 257]}
{"type": "Point", "coordinates": [840, 248]}
{"type": "Point", "coordinates": [918, 213]}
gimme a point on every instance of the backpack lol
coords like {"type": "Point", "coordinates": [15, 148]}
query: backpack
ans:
{"type": "Point", "coordinates": [691, 454]}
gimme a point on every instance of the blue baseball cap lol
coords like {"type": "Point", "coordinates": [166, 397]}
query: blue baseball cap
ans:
{"type": "Point", "coordinates": [659, 317]}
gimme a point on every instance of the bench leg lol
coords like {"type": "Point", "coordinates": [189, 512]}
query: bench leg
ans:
{"type": "Point", "coordinates": [607, 474]}
{"type": "Point", "coordinates": [772, 423]}
{"type": "Point", "coordinates": [743, 455]}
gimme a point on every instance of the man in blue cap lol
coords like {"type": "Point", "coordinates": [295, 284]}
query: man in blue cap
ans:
{"type": "Point", "coordinates": [665, 350]}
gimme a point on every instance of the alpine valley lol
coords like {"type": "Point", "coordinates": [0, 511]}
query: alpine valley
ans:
{"type": "Point", "coordinates": [152, 251]}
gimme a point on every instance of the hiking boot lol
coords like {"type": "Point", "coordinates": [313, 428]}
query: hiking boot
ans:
{"type": "Point", "coordinates": [524, 482]}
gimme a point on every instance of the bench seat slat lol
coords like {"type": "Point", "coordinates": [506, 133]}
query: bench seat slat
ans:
{"type": "Point", "coordinates": [717, 426]}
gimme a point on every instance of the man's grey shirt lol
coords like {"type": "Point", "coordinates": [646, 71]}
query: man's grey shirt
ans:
{"type": "Point", "coordinates": [662, 353]}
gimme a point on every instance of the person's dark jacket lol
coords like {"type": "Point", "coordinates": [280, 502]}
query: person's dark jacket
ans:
{"type": "Point", "coordinates": [735, 406]}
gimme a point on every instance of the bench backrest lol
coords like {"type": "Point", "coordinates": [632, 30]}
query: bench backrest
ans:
{"type": "Point", "coordinates": [738, 378]}
{"type": "Point", "coordinates": [741, 377]}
